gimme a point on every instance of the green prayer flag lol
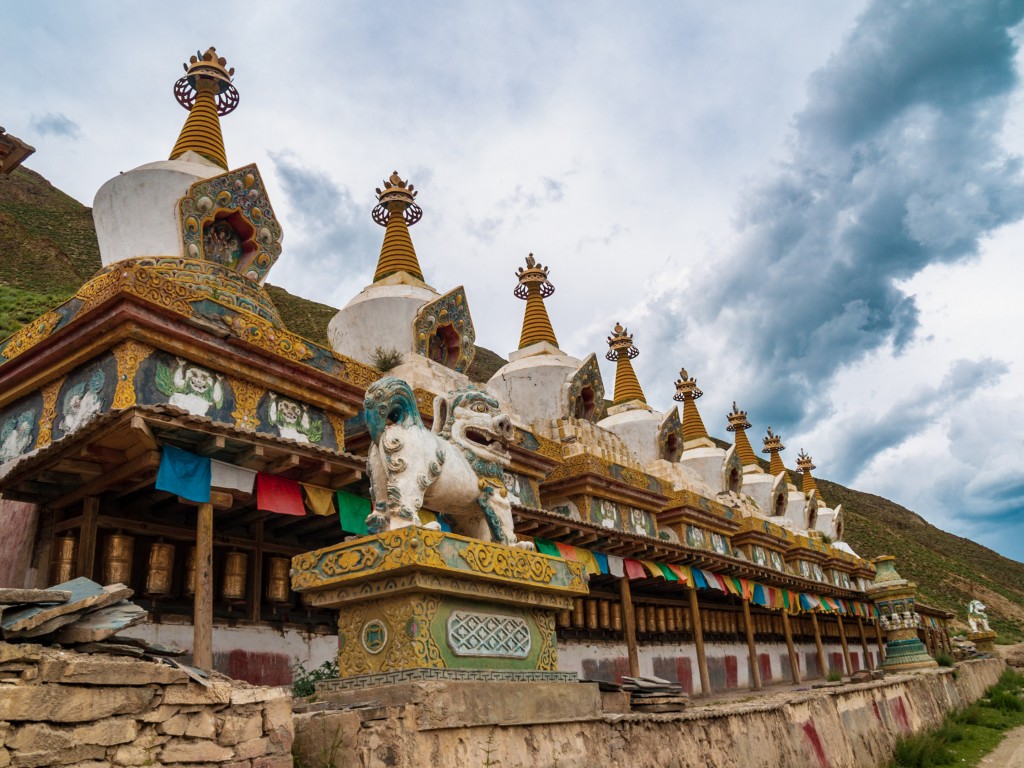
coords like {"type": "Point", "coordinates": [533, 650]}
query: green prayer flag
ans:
{"type": "Point", "coordinates": [670, 575]}
{"type": "Point", "coordinates": [546, 547]}
{"type": "Point", "coordinates": [352, 513]}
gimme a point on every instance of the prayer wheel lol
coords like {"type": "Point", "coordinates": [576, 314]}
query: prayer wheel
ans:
{"type": "Point", "coordinates": [117, 559]}
{"type": "Point", "coordinates": [160, 572]}
{"type": "Point", "coordinates": [278, 588]}
{"type": "Point", "coordinates": [577, 613]}
{"type": "Point", "coordinates": [189, 587]}
{"type": "Point", "coordinates": [670, 619]}
{"type": "Point", "coordinates": [617, 617]}
{"type": "Point", "coordinates": [604, 620]}
{"type": "Point", "coordinates": [662, 620]}
{"type": "Point", "coordinates": [236, 566]}
{"type": "Point", "coordinates": [687, 621]}
{"type": "Point", "coordinates": [62, 559]}
{"type": "Point", "coordinates": [564, 618]}
{"type": "Point", "coordinates": [591, 614]}
{"type": "Point", "coordinates": [652, 618]}
{"type": "Point", "coordinates": [641, 619]}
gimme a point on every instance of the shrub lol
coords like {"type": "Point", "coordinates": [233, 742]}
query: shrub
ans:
{"type": "Point", "coordinates": [304, 680]}
{"type": "Point", "coordinates": [944, 659]}
{"type": "Point", "coordinates": [385, 359]}
{"type": "Point", "coordinates": [833, 676]}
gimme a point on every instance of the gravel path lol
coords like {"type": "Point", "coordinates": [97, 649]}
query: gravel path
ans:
{"type": "Point", "coordinates": [1009, 753]}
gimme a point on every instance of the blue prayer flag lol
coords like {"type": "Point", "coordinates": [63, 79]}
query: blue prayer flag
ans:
{"type": "Point", "coordinates": [184, 474]}
{"type": "Point", "coordinates": [602, 561]}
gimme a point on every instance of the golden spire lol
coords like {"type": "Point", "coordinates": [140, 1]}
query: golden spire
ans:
{"type": "Point", "coordinates": [738, 423]}
{"type": "Point", "coordinates": [773, 447]}
{"type": "Point", "coordinates": [207, 93]}
{"type": "Point", "coordinates": [687, 391]}
{"type": "Point", "coordinates": [397, 210]}
{"type": "Point", "coordinates": [621, 352]}
{"type": "Point", "coordinates": [805, 465]}
{"type": "Point", "coordinates": [534, 286]}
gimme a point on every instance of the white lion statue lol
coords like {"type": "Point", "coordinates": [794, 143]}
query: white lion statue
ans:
{"type": "Point", "coordinates": [977, 616]}
{"type": "Point", "coordinates": [456, 470]}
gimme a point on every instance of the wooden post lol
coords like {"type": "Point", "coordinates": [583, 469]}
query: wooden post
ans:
{"type": "Point", "coordinates": [794, 661]}
{"type": "Point", "coordinates": [257, 576]}
{"type": "Point", "coordinates": [842, 641]}
{"type": "Point", "coordinates": [202, 639]}
{"type": "Point", "coordinates": [817, 642]}
{"type": "Point", "coordinates": [629, 626]}
{"type": "Point", "coordinates": [755, 668]}
{"type": "Point", "coordinates": [864, 645]}
{"type": "Point", "coordinates": [881, 642]}
{"type": "Point", "coordinates": [698, 641]}
{"type": "Point", "coordinates": [86, 564]}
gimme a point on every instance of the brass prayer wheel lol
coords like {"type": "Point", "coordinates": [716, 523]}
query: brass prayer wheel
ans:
{"type": "Point", "coordinates": [617, 617]}
{"type": "Point", "coordinates": [577, 613]}
{"type": "Point", "coordinates": [662, 620]}
{"type": "Point", "coordinates": [652, 618]}
{"type": "Point", "coordinates": [189, 587]}
{"type": "Point", "coordinates": [236, 566]}
{"type": "Point", "coordinates": [681, 623]}
{"type": "Point", "coordinates": [687, 621]}
{"type": "Point", "coordinates": [604, 620]}
{"type": "Point", "coordinates": [117, 559]}
{"type": "Point", "coordinates": [278, 587]}
{"type": "Point", "coordinates": [641, 618]}
{"type": "Point", "coordinates": [591, 614]}
{"type": "Point", "coordinates": [564, 618]}
{"type": "Point", "coordinates": [161, 569]}
{"type": "Point", "coordinates": [62, 559]}
{"type": "Point", "coordinates": [670, 619]}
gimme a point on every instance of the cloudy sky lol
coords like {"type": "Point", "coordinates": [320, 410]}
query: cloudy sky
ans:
{"type": "Point", "coordinates": [816, 207]}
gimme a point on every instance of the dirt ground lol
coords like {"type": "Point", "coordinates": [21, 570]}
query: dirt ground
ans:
{"type": "Point", "coordinates": [1010, 752]}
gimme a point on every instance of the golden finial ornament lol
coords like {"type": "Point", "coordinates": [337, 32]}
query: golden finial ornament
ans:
{"type": "Point", "coordinates": [686, 387]}
{"type": "Point", "coordinates": [207, 71]}
{"type": "Point", "coordinates": [737, 419]}
{"type": "Point", "coordinates": [621, 351]}
{"type": "Point", "coordinates": [772, 443]}
{"type": "Point", "coordinates": [621, 344]}
{"type": "Point", "coordinates": [534, 287]}
{"type": "Point", "coordinates": [207, 93]}
{"type": "Point", "coordinates": [804, 462]}
{"type": "Point", "coordinates": [397, 210]}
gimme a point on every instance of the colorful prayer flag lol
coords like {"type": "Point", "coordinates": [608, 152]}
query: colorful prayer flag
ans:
{"type": "Point", "coordinates": [279, 494]}
{"type": "Point", "coordinates": [352, 512]}
{"type": "Point", "coordinates": [184, 474]}
{"type": "Point", "coordinates": [319, 500]}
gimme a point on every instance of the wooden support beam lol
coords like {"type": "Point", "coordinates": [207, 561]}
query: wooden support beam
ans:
{"type": "Point", "coordinates": [755, 668]}
{"type": "Point", "coordinates": [629, 626]}
{"type": "Point", "coordinates": [698, 641]}
{"type": "Point", "coordinates": [105, 455]}
{"type": "Point", "coordinates": [290, 461]}
{"type": "Point", "coordinates": [881, 642]}
{"type": "Point", "coordinates": [211, 446]}
{"type": "Point", "coordinates": [817, 643]}
{"type": "Point", "coordinates": [794, 660]}
{"type": "Point", "coordinates": [864, 645]}
{"type": "Point", "coordinates": [342, 479]}
{"type": "Point", "coordinates": [252, 458]}
{"type": "Point", "coordinates": [141, 428]}
{"type": "Point", "coordinates": [87, 538]}
{"type": "Point", "coordinates": [257, 577]}
{"type": "Point", "coordinates": [846, 647]}
{"type": "Point", "coordinates": [202, 622]}
{"type": "Point", "coordinates": [147, 461]}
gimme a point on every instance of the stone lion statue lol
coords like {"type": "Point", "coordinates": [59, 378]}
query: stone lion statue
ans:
{"type": "Point", "coordinates": [456, 469]}
{"type": "Point", "coordinates": [977, 616]}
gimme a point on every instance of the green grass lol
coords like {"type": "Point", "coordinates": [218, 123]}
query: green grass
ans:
{"type": "Point", "coordinates": [968, 734]}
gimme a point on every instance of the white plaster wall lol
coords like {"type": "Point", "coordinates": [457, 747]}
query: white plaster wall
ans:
{"type": "Point", "coordinates": [533, 388]}
{"type": "Point", "coordinates": [136, 213]}
{"type": "Point", "coordinates": [758, 486]}
{"type": "Point", "coordinates": [309, 648]}
{"type": "Point", "coordinates": [707, 463]}
{"type": "Point", "coordinates": [381, 315]}
{"type": "Point", "coordinates": [638, 429]}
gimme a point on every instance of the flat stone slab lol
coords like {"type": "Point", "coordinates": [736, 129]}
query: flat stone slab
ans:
{"type": "Point", "coordinates": [22, 596]}
{"type": "Point", "coordinates": [34, 620]}
{"type": "Point", "coordinates": [102, 623]}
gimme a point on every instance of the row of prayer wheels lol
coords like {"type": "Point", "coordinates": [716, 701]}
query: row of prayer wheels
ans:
{"type": "Point", "coordinates": [599, 614]}
{"type": "Point", "coordinates": [116, 567]}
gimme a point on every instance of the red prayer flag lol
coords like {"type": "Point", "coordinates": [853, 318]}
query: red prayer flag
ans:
{"type": "Point", "coordinates": [567, 551]}
{"type": "Point", "coordinates": [279, 494]}
{"type": "Point", "coordinates": [634, 569]}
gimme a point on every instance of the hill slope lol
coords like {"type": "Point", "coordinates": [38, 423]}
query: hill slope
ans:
{"type": "Point", "coordinates": [48, 249]}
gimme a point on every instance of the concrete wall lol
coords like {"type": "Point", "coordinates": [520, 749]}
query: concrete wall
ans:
{"type": "Point", "coordinates": [853, 726]}
{"type": "Point", "coordinates": [728, 665]}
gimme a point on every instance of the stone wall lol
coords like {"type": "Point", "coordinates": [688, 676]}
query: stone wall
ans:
{"type": "Point", "coordinates": [59, 708]}
{"type": "Point", "coordinates": [852, 726]}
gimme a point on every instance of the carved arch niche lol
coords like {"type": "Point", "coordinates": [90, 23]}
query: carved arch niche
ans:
{"type": "Point", "coordinates": [670, 437]}
{"type": "Point", "coordinates": [584, 396]}
{"type": "Point", "coordinates": [443, 331]}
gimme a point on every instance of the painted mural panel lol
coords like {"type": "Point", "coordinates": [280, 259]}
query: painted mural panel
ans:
{"type": "Point", "coordinates": [606, 514]}
{"type": "Point", "coordinates": [19, 427]}
{"type": "Point", "coordinates": [639, 522]}
{"type": "Point", "coordinates": [164, 378]}
{"type": "Point", "coordinates": [695, 537]}
{"type": "Point", "coordinates": [719, 543]}
{"type": "Point", "coordinates": [566, 509]}
{"type": "Point", "coordinates": [293, 420]}
{"type": "Point", "coordinates": [87, 392]}
{"type": "Point", "coordinates": [521, 490]}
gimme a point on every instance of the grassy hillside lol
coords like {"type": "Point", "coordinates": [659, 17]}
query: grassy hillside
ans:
{"type": "Point", "coordinates": [48, 249]}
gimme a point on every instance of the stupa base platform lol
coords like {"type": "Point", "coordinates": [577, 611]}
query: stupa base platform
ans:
{"type": "Point", "coordinates": [418, 604]}
{"type": "Point", "coordinates": [906, 655]}
{"type": "Point", "coordinates": [984, 642]}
